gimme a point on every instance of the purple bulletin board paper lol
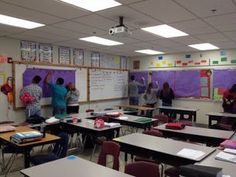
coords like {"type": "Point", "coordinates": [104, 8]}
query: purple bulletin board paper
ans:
{"type": "Point", "coordinates": [67, 75]}
{"type": "Point", "coordinates": [187, 83]}
{"type": "Point", "coordinates": [224, 78]}
{"type": "Point", "coordinates": [138, 78]}
{"type": "Point", "coordinates": [164, 76]}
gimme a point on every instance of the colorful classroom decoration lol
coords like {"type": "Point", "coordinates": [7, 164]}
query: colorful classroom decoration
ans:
{"type": "Point", "coordinates": [64, 55]}
{"type": "Point", "coordinates": [28, 51]}
{"type": "Point", "coordinates": [45, 53]}
{"type": "Point", "coordinates": [138, 77]}
{"type": "Point", "coordinates": [223, 79]}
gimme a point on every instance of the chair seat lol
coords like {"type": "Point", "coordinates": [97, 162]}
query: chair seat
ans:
{"type": "Point", "coordinates": [172, 172]}
{"type": "Point", "coordinates": [40, 159]}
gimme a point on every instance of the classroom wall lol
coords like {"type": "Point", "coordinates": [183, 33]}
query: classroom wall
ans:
{"type": "Point", "coordinates": [205, 106]}
{"type": "Point", "coordinates": [11, 48]}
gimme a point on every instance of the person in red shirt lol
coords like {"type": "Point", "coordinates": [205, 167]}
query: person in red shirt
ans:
{"type": "Point", "coordinates": [229, 100]}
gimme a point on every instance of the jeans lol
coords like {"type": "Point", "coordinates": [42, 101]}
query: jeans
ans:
{"type": "Point", "coordinates": [59, 110]}
{"type": "Point", "coordinates": [133, 100]}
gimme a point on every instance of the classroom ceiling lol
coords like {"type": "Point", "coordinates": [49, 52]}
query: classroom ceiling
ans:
{"type": "Point", "coordinates": [65, 24]}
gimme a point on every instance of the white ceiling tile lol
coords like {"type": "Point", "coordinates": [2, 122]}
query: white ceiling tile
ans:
{"type": "Point", "coordinates": [78, 27]}
{"type": "Point", "coordinates": [19, 12]}
{"type": "Point", "coordinates": [131, 17]}
{"type": "Point", "coordinates": [166, 43]}
{"type": "Point", "coordinates": [231, 35]}
{"type": "Point", "coordinates": [226, 27]}
{"type": "Point", "coordinates": [126, 39]}
{"type": "Point", "coordinates": [226, 44]}
{"type": "Point", "coordinates": [30, 38]}
{"type": "Point", "coordinates": [96, 21]}
{"type": "Point", "coordinates": [195, 26]}
{"type": "Point", "coordinates": [221, 19]}
{"type": "Point", "coordinates": [166, 11]}
{"type": "Point", "coordinates": [51, 7]}
{"type": "Point", "coordinates": [187, 40]}
{"type": "Point", "coordinates": [212, 37]}
{"type": "Point", "coordinates": [4, 29]}
{"type": "Point", "coordinates": [129, 1]}
{"type": "Point", "coordinates": [203, 8]}
{"type": "Point", "coordinates": [143, 35]}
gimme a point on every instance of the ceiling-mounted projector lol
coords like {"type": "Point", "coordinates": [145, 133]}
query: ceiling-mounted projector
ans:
{"type": "Point", "coordinates": [120, 30]}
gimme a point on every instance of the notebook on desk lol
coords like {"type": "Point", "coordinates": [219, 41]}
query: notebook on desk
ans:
{"type": "Point", "coordinates": [143, 120]}
{"type": "Point", "coordinates": [226, 157]}
{"type": "Point", "coordinates": [7, 128]}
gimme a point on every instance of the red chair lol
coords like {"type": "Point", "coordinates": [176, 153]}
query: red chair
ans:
{"type": "Point", "coordinates": [110, 148]}
{"type": "Point", "coordinates": [153, 133]}
{"type": "Point", "coordinates": [161, 119]}
{"type": "Point", "coordinates": [225, 124]}
{"type": "Point", "coordinates": [142, 169]}
{"type": "Point", "coordinates": [89, 110]}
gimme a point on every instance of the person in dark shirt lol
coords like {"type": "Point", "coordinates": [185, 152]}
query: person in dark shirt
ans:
{"type": "Point", "coordinates": [166, 95]}
{"type": "Point", "coordinates": [229, 100]}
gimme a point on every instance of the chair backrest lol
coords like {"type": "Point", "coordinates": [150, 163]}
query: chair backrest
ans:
{"type": "Point", "coordinates": [61, 147]}
{"type": "Point", "coordinates": [161, 119]}
{"type": "Point", "coordinates": [110, 148]}
{"type": "Point", "coordinates": [142, 169]}
{"type": "Point", "coordinates": [89, 110]}
{"type": "Point", "coordinates": [153, 133]}
{"type": "Point", "coordinates": [108, 109]}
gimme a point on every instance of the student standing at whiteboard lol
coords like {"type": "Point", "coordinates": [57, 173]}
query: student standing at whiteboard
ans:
{"type": "Point", "coordinates": [33, 108]}
{"type": "Point", "coordinates": [133, 90]}
{"type": "Point", "coordinates": [150, 95]}
{"type": "Point", "coordinates": [72, 99]}
{"type": "Point", "coordinates": [166, 95]}
{"type": "Point", "coordinates": [58, 94]}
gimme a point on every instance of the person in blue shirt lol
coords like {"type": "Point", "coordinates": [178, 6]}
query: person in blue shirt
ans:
{"type": "Point", "coordinates": [59, 93]}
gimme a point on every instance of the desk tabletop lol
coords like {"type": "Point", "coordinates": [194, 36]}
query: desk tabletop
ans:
{"type": "Point", "coordinates": [178, 108]}
{"type": "Point", "coordinates": [74, 167]}
{"type": "Point", "coordinates": [132, 118]}
{"type": "Point", "coordinates": [221, 114]}
{"type": "Point", "coordinates": [142, 108]}
{"type": "Point", "coordinates": [162, 145]}
{"type": "Point", "coordinates": [228, 168]}
{"type": "Point", "coordinates": [48, 138]}
{"type": "Point", "coordinates": [199, 131]}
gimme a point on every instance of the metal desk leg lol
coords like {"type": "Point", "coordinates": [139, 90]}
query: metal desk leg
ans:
{"type": "Point", "coordinates": [27, 157]}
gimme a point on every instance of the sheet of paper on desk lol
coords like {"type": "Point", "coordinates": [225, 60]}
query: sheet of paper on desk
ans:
{"type": "Point", "coordinates": [226, 157]}
{"type": "Point", "coordinates": [123, 118]}
{"type": "Point", "coordinates": [231, 151]}
{"type": "Point", "coordinates": [111, 124]}
{"type": "Point", "coordinates": [190, 153]}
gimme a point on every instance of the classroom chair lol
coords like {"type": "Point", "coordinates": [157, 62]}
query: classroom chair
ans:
{"type": "Point", "coordinates": [59, 151]}
{"type": "Point", "coordinates": [156, 133]}
{"type": "Point", "coordinates": [108, 109]}
{"type": "Point", "coordinates": [110, 148]}
{"type": "Point", "coordinates": [161, 119]}
{"type": "Point", "coordinates": [225, 124]}
{"type": "Point", "coordinates": [172, 172]}
{"type": "Point", "coordinates": [89, 110]}
{"type": "Point", "coordinates": [142, 169]}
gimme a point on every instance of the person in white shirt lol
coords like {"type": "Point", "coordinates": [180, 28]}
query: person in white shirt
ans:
{"type": "Point", "coordinates": [134, 90]}
{"type": "Point", "coordinates": [150, 95]}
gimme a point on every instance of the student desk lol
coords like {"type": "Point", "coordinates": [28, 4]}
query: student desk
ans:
{"type": "Point", "coordinates": [132, 121]}
{"type": "Point", "coordinates": [218, 115]}
{"type": "Point", "coordinates": [192, 113]}
{"type": "Point", "coordinates": [71, 166]}
{"type": "Point", "coordinates": [211, 137]}
{"type": "Point", "coordinates": [228, 167]}
{"type": "Point", "coordinates": [162, 149]}
{"type": "Point", "coordinates": [26, 147]}
{"type": "Point", "coordinates": [141, 108]}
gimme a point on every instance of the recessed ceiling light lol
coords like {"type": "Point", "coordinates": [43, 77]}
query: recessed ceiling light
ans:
{"type": "Point", "coordinates": [17, 22]}
{"type": "Point", "coordinates": [204, 46]}
{"type": "Point", "coordinates": [93, 5]}
{"type": "Point", "coordinates": [149, 52]}
{"type": "Point", "coordinates": [165, 31]}
{"type": "Point", "coordinates": [99, 40]}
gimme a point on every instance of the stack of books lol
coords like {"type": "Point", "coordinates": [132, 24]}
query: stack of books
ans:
{"type": "Point", "coordinates": [25, 137]}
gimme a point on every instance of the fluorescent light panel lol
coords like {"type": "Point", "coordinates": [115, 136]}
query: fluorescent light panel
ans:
{"type": "Point", "coordinates": [165, 31]}
{"type": "Point", "coordinates": [93, 5]}
{"type": "Point", "coordinates": [149, 52]}
{"type": "Point", "coordinates": [17, 22]}
{"type": "Point", "coordinates": [204, 46]}
{"type": "Point", "coordinates": [99, 40]}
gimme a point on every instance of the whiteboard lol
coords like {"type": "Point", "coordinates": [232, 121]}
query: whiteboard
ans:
{"type": "Point", "coordinates": [107, 84]}
{"type": "Point", "coordinates": [80, 81]}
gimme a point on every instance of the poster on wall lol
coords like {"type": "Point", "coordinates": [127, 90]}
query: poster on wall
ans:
{"type": "Point", "coordinates": [64, 55]}
{"type": "Point", "coordinates": [28, 50]}
{"type": "Point", "coordinates": [45, 53]}
{"type": "Point", "coordinates": [78, 56]}
{"type": "Point", "coordinates": [123, 62]}
{"type": "Point", "coordinates": [95, 59]}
